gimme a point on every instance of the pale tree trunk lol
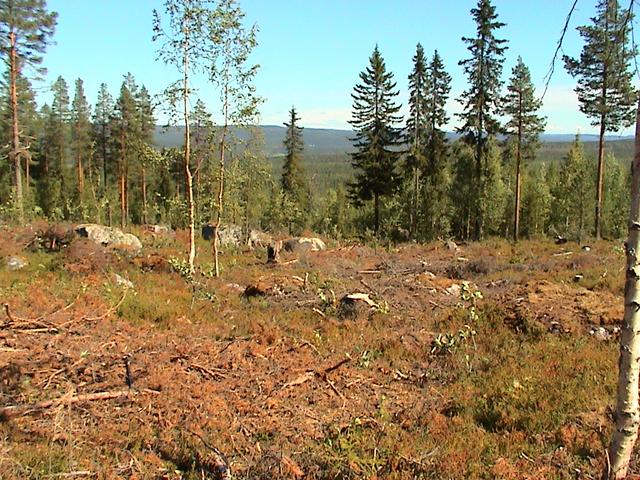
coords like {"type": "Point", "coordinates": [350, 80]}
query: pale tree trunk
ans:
{"type": "Point", "coordinates": [627, 416]}
{"type": "Point", "coordinates": [15, 138]}
{"type": "Point", "coordinates": [144, 196]}
{"type": "Point", "coordinates": [216, 241]}
{"type": "Point", "coordinates": [187, 154]}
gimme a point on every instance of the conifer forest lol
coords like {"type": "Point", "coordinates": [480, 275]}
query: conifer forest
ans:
{"type": "Point", "coordinates": [445, 289]}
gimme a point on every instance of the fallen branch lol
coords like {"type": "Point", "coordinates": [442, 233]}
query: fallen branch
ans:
{"type": "Point", "coordinates": [7, 413]}
{"type": "Point", "coordinates": [78, 473]}
{"type": "Point", "coordinates": [107, 313]}
{"type": "Point", "coordinates": [206, 371]}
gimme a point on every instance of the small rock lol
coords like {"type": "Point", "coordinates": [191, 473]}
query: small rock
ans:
{"type": "Point", "coordinates": [560, 240]}
{"type": "Point", "coordinates": [16, 263]}
{"type": "Point", "coordinates": [123, 282]}
{"type": "Point", "coordinates": [586, 248]}
{"type": "Point", "coordinates": [452, 246]}
{"type": "Point", "coordinates": [577, 277]}
{"type": "Point", "coordinates": [601, 334]}
{"type": "Point", "coordinates": [453, 290]}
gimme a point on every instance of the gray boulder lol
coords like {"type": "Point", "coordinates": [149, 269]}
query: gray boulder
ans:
{"type": "Point", "coordinates": [228, 235]}
{"type": "Point", "coordinates": [301, 244]}
{"type": "Point", "coordinates": [108, 236]}
{"type": "Point", "coordinates": [16, 263]}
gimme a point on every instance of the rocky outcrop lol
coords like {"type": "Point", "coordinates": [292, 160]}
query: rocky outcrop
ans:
{"type": "Point", "coordinates": [303, 244]}
{"type": "Point", "coordinates": [108, 236]}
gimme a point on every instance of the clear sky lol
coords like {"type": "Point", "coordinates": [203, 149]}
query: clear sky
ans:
{"type": "Point", "coordinates": [311, 52]}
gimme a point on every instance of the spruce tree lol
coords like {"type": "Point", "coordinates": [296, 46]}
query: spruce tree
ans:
{"type": "Point", "coordinates": [145, 153]}
{"type": "Point", "coordinates": [377, 138]}
{"type": "Point", "coordinates": [571, 202]}
{"type": "Point", "coordinates": [436, 201]}
{"type": "Point", "coordinates": [26, 28]}
{"type": "Point", "coordinates": [524, 126]}
{"type": "Point", "coordinates": [604, 87]}
{"type": "Point", "coordinates": [416, 130]}
{"type": "Point", "coordinates": [294, 183]}
{"type": "Point", "coordinates": [481, 100]}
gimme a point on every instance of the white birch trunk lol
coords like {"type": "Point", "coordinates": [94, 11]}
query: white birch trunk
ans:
{"type": "Point", "coordinates": [627, 416]}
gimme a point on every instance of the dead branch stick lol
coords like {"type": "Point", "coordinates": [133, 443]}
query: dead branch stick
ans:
{"type": "Point", "coordinates": [337, 365]}
{"type": "Point", "coordinates": [77, 473]}
{"type": "Point", "coordinates": [295, 260]}
{"type": "Point", "coordinates": [8, 312]}
{"type": "Point", "coordinates": [107, 313]}
{"type": "Point", "coordinates": [319, 312]}
{"type": "Point", "coordinates": [562, 254]}
{"type": "Point", "coordinates": [206, 371]}
{"type": "Point", "coordinates": [17, 410]}
{"type": "Point", "coordinates": [369, 272]}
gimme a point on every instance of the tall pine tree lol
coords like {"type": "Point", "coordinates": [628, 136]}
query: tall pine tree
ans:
{"type": "Point", "coordinates": [377, 138]}
{"type": "Point", "coordinates": [80, 135]}
{"type": "Point", "coordinates": [482, 99]}
{"type": "Point", "coordinates": [26, 28]}
{"type": "Point", "coordinates": [524, 125]}
{"type": "Point", "coordinates": [604, 87]}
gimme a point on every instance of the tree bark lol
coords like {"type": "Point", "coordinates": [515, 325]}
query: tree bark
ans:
{"type": "Point", "coordinates": [144, 196]}
{"type": "Point", "coordinates": [627, 416]}
{"type": "Point", "coordinates": [216, 240]}
{"type": "Point", "coordinates": [187, 155]}
{"type": "Point", "coordinates": [15, 137]}
{"type": "Point", "coordinates": [516, 215]}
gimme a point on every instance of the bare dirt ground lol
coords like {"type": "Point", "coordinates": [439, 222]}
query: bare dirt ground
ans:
{"type": "Point", "coordinates": [490, 361]}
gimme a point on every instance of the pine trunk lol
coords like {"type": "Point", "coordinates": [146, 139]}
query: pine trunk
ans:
{"type": "Point", "coordinates": [516, 215]}
{"type": "Point", "coordinates": [376, 208]}
{"type": "Point", "coordinates": [600, 181]}
{"type": "Point", "coordinates": [627, 416]}
{"type": "Point", "coordinates": [15, 150]}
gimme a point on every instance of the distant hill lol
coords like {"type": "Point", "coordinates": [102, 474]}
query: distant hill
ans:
{"type": "Point", "coordinates": [322, 141]}
{"type": "Point", "coordinates": [317, 140]}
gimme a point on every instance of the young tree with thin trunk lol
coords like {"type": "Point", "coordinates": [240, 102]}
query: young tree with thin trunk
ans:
{"type": "Point", "coordinates": [26, 28]}
{"type": "Point", "coordinates": [481, 101]}
{"type": "Point", "coordinates": [147, 123]}
{"type": "Point", "coordinates": [378, 137]}
{"type": "Point", "coordinates": [604, 89]}
{"type": "Point", "coordinates": [627, 414]}
{"type": "Point", "coordinates": [233, 75]}
{"type": "Point", "coordinates": [190, 44]}
{"type": "Point", "coordinates": [524, 125]}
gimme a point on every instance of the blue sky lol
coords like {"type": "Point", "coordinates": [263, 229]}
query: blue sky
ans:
{"type": "Point", "coordinates": [311, 52]}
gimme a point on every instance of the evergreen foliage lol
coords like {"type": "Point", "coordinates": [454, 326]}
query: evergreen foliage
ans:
{"type": "Point", "coordinates": [605, 89]}
{"type": "Point", "coordinates": [436, 181]}
{"type": "Point", "coordinates": [294, 182]}
{"type": "Point", "coordinates": [481, 101]}
{"type": "Point", "coordinates": [378, 138]}
{"type": "Point", "coordinates": [524, 125]}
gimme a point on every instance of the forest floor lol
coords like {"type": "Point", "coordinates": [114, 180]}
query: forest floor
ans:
{"type": "Point", "coordinates": [490, 361]}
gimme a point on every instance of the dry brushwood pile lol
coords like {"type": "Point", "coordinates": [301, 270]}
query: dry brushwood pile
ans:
{"type": "Point", "coordinates": [477, 361]}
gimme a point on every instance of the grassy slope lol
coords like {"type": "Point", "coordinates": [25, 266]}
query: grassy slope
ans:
{"type": "Point", "coordinates": [420, 395]}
